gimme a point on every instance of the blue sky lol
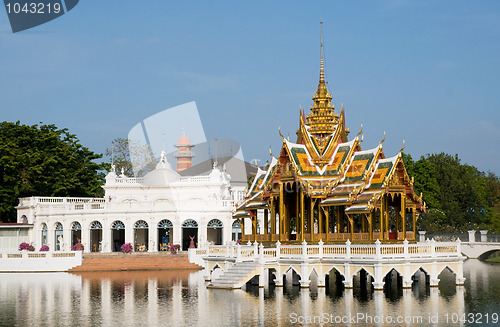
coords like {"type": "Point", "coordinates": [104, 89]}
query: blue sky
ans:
{"type": "Point", "coordinates": [423, 71]}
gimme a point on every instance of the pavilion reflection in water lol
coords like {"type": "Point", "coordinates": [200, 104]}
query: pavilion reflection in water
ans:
{"type": "Point", "coordinates": [181, 298]}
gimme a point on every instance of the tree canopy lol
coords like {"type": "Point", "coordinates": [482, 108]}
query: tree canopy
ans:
{"type": "Point", "coordinates": [43, 160]}
{"type": "Point", "coordinates": [121, 153]}
{"type": "Point", "coordinates": [457, 195]}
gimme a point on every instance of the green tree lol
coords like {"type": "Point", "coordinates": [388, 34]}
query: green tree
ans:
{"type": "Point", "coordinates": [119, 155]}
{"type": "Point", "coordinates": [121, 152]}
{"type": "Point", "coordinates": [44, 161]}
{"type": "Point", "coordinates": [450, 189]}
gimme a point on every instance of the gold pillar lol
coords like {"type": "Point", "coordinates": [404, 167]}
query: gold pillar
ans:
{"type": "Point", "coordinates": [414, 217]}
{"type": "Point", "coordinates": [351, 226]}
{"type": "Point", "coordinates": [254, 225]}
{"type": "Point", "coordinates": [281, 213]}
{"type": "Point", "coordinates": [381, 215]}
{"type": "Point", "coordinates": [320, 218]}
{"type": "Point", "coordinates": [339, 230]}
{"type": "Point", "coordinates": [370, 226]}
{"type": "Point", "coordinates": [386, 214]}
{"type": "Point", "coordinates": [266, 223]}
{"type": "Point", "coordinates": [302, 212]}
{"type": "Point", "coordinates": [297, 210]}
{"type": "Point", "coordinates": [403, 215]}
{"type": "Point", "coordinates": [273, 218]}
{"type": "Point", "coordinates": [327, 222]}
{"type": "Point", "coordinates": [311, 220]}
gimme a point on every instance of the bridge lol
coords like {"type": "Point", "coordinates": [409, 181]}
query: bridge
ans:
{"type": "Point", "coordinates": [474, 245]}
{"type": "Point", "coordinates": [374, 265]}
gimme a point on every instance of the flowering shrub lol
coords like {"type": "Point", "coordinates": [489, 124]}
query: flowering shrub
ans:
{"type": "Point", "coordinates": [44, 248]}
{"type": "Point", "coordinates": [238, 241]}
{"type": "Point", "coordinates": [77, 247]}
{"type": "Point", "coordinates": [24, 246]}
{"type": "Point", "coordinates": [174, 248]}
{"type": "Point", "coordinates": [127, 248]}
{"type": "Point", "coordinates": [31, 248]}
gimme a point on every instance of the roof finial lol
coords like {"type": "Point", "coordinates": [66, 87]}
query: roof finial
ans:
{"type": "Point", "coordinates": [321, 72]}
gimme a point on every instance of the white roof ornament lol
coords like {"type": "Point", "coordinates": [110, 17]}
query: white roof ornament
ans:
{"type": "Point", "coordinates": [113, 168]}
{"type": "Point", "coordinates": [163, 163]}
{"type": "Point", "coordinates": [215, 164]}
{"type": "Point", "coordinates": [123, 173]}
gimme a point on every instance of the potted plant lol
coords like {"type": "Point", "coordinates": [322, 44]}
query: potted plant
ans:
{"type": "Point", "coordinates": [127, 248]}
{"type": "Point", "coordinates": [44, 248]}
{"type": "Point", "coordinates": [174, 248]}
{"type": "Point", "coordinates": [24, 246]}
{"type": "Point", "coordinates": [77, 247]}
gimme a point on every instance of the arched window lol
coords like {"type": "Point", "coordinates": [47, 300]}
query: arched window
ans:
{"type": "Point", "coordinates": [24, 219]}
{"type": "Point", "coordinates": [141, 224]}
{"type": "Point", "coordinates": [215, 223]}
{"type": "Point", "coordinates": [96, 225]}
{"type": "Point", "coordinates": [236, 226]}
{"type": "Point", "coordinates": [165, 224]}
{"type": "Point", "coordinates": [117, 225]}
{"type": "Point", "coordinates": [58, 226]}
{"type": "Point", "coordinates": [44, 234]}
{"type": "Point", "coordinates": [76, 226]}
{"type": "Point", "coordinates": [190, 223]}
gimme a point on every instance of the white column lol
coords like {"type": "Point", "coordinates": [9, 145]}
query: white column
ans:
{"type": "Point", "coordinates": [202, 234]}
{"type": "Point", "coordinates": [106, 237]}
{"type": "Point", "coordinates": [51, 241]}
{"type": "Point", "coordinates": [177, 237]}
{"type": "Point", "coordinates": [129, 232]}
{"type": "Point", "coordinates": [422, 236]}
{"type": "Point", "coordinates": [153, 236]}
{"type": "Point", "coordinates": [66, 246]}
{"type": "Point", "coordinates": [484, 236]}
{"type": "Point", "coordinates": [472, 236]}
{"type": "Point", "coordinates": [87, 246]}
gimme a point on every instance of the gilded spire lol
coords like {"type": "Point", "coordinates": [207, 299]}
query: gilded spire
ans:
{"type": "Point", "coordinates": [322, 120]}
{"type": "Point", "coordinates": [321, 71]}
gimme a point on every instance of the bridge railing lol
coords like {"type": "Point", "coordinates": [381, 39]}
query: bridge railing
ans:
{"type": "Point", "coordinates": [376, 251]}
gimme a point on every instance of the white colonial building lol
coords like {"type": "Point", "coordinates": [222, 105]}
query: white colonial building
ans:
{"type": "Point", "coordinates": [160, 209]}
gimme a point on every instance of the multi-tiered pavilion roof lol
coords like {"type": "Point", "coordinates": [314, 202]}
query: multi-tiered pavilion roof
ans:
{"type": "Point", "coordinates": [325, 187]}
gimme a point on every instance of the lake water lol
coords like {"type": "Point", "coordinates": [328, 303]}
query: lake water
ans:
{"type": "Point", "coordinates": [180, 298]}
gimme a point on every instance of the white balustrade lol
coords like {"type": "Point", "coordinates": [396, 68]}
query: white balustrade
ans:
{"type": "Point", "coordinates": [369, 252]}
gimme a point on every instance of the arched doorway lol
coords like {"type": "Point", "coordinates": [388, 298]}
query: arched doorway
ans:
{"type": "Point", "coordinates": [117, 235]}
{"type": "Point", "coordinates": [189, 229]}
{"type": "Point", "coordinates": [58, 237]}
{"type": "Point", "coordinates": [141, 236]}
{"type": "Point", "coordinates": [44, 234]}
{"type": "Point", "coordinates": [214, 231]}
{"type": "Point", "coordinates": [164, 234]}
{"type": "Point", "coordinates": [236, 231]}
{"type": "Point", "coordinates": [95, 236]}
{"type": "Point", "coordinates": [76, 233]}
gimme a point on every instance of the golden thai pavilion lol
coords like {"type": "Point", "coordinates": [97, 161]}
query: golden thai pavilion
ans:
{"type": "Point", "coordinates": [324, 187]}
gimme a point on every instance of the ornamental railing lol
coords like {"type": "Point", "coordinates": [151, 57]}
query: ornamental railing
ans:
{"type": "Point", "coordinates": [377, 251]}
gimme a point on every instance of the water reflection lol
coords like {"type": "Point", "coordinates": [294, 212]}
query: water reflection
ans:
{"type": "Point", "coordinates": [180, 298]}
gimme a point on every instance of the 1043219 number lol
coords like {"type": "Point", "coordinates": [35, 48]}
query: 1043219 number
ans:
{"type": "Point", "coordinates": [472, 318]}
{"type": "Point", "coordinates": [33, 8]}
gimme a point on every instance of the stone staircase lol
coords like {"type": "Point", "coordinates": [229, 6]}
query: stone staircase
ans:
{"type": "Point", "coordinates": [236, 276]}
{"type": "Point", "coordinates": [134, 261]}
